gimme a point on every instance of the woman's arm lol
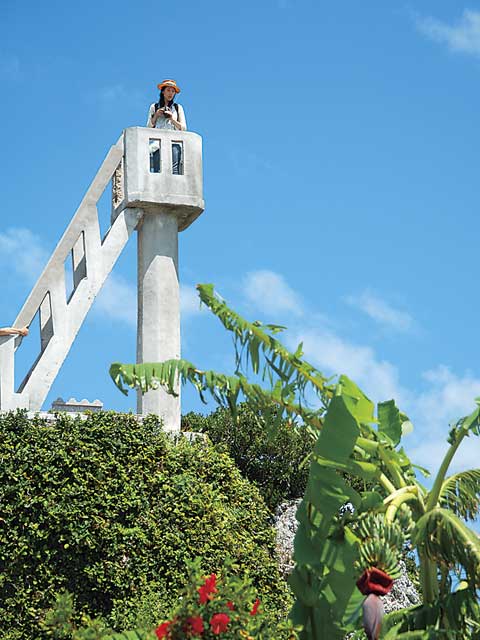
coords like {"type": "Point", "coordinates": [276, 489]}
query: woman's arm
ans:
{"type": "Point", "coordinates": [152, 117]}
{"type": "Point", "coordinates": [180, 123]}
{"type": "Point", "coordinates": [12, 331]}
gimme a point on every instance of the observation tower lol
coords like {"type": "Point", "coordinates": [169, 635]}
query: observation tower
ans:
{"type": "Point", "coordinates": [147, 197]}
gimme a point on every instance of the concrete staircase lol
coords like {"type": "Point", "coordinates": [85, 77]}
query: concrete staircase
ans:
{"type": "Point", "coordinates": [61, 312]}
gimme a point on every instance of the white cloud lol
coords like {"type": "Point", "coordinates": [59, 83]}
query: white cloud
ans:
{"type": "Point", "coordinates": [189, 301]}
{"type": "Point", "coordinates": [118, 301]}
{"type": "Point", "coordinates": [271, 294]}
{"type": "Point", "coordinates": [334, 355]}
{"type": "Point", "coordinates": [449, 396]}
{"type": "Point", "coordinates": [446, 397]}
{"type": "Point", "coordinates": [430, 452]}
{"type": "Point", "coordinates": [381, 311]}
{"type": "Point", "coordinates": [23, 252]}
{"type": "Point", "coordinates": [109, 96]}
{"type": "Point", "coordinates": [463, 37]}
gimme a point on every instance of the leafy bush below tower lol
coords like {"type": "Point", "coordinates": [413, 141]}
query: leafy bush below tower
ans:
{"type": "Point", "coordinates": [111, 510]}
{"type": "Point", "coordinates": [273, 459]}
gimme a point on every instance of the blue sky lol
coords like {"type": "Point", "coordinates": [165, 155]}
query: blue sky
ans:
{"type": "Point", "coordinates": [341, 181]}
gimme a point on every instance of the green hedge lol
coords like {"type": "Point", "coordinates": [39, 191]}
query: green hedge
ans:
{"type": "Point", "coordinates": [273, 461]}
{"type": "Point", "coordinates": [109, 510]}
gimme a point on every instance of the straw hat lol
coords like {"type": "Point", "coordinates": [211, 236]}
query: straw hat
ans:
{"type": "Point", "coordinates": [169, 83]}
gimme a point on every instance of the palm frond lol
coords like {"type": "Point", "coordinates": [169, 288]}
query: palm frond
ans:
{"type": "Point", "coordinates": [468, 425]}
{"type": "Point", "coordinates": [446, 539]}
{"type": "Point", "coordinates": [225, 390]}
{"type": "Point", "coordinates": [254, 339]}
{"type": "Point", "coordinates": [461, 494]}
{"type": "Point", "coordinates": [290, 380]}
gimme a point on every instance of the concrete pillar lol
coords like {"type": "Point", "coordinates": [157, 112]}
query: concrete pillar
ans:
{"type": "Point", "coordinates": [158, 335]}
{"type": "Point", "coordinates": [169, 203]}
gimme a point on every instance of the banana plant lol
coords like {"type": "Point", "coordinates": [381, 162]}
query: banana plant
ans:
{"type": "Point", "coordinates": [347, 537]}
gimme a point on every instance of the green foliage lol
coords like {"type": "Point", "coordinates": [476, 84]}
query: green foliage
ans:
{"type": "Point", "coordinates": [443, 537]}
{"type": "Point", "coordinates": [202, 599]}
{"type": "Point", "coordinates": [227, 595]}
{"type": "Point", "coordinates": [350, 441]}
{"type": "Point", "coordinates": [274, 461]}
{"type": "Point", "coordinates": [334, 546]}
{"type": "Point", "coordinates": [59, 623]}
{"type": "Point", "coordinates": [454, 616]}
{"type": "Point", "coordinates": [110, 510]}
{"type": "Point", "coordinates": [461, 494]}
{"type": "Point", "coordinates": [323, 579]}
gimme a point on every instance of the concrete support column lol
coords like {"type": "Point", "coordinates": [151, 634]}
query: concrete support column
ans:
{"type": "Point", "coordinates": [158, 335]}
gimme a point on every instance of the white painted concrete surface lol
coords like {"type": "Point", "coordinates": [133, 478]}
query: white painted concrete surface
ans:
{"type": "Point", "coordinates": [160, 204]}
{"type": "Point", "coordinates": [180, 194]}
{"type": "Point", "coordinates": [158, 330]}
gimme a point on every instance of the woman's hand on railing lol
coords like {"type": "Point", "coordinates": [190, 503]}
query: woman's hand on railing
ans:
{"type": "Point", "coordinates": [12, 331]}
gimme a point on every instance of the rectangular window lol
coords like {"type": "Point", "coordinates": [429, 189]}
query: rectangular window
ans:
{"type": "Point", "coordinates": [155, 159]}
{"type": "Point", "coordinates": [75, 266]}
{"type": "Point", "coordinates": [177, 158]}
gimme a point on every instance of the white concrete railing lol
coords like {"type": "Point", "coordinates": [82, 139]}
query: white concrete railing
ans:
{"type": "Point", "coordinates": [60, 317]}
{"type": "Point", "coordinates": [180, 194]}
{"type": "Point", "coordinates": [136, 191]}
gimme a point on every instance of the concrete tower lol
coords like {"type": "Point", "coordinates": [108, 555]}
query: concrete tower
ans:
{"type": "Point", "coordinates": [147, 197]}
{"type": "Point", "coordinates": [168, 203]}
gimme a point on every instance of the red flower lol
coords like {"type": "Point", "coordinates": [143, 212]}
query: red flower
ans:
{"type": "Point", "coordinates": [230, 605]}
{"type": "Point", "coordinates": [162, 630]}
{"type": "Point", "coordinates": [207, 589]}
{"type": "Point", "coordinates": [196, 625]}
{"type": "Point", "coordinates": [374, 581]}
{"type": "Point", "coordinates": [254, 610]}
{"type": "Point", "coordinates": [219, 623]}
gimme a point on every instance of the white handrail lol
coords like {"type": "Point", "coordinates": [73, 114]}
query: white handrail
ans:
{"type": "Point", "coordinates": [61, 318]}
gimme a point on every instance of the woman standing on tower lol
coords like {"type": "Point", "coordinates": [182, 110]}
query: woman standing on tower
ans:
{"type": "Point", "coordinates": [167, 114]}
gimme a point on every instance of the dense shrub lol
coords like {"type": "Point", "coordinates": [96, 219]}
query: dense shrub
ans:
{"type": "Point", "coordinates": [110, 510]}
{"type": "Point", "coordinates": [211, 605]}
{"type": "Point", "coordinates": [273, 461]}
